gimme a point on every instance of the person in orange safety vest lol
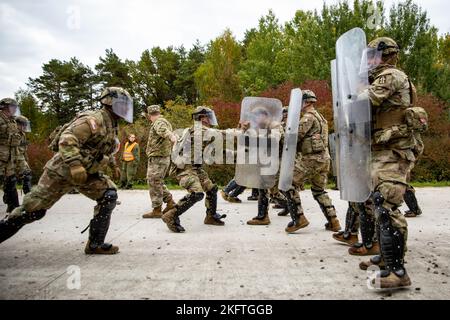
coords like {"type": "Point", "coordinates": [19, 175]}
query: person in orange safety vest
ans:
{"type": "Point", "coordinates": [130, 162]}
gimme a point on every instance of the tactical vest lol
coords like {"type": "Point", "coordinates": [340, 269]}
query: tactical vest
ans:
{"type": "Point", "coordinates": [156, 145]}
{"type": "Point", "coordinates": [9, 137]}
{"type": "Point", "coordinates": [101, 144]}
{"type": "Point", "coordinates": [395, 125]}
{"type": "Point", "coordinates": [99, 147]}
{"type": "Point", "coordinates": [128, 151]}
{"type": "Point", "coordinates": [316, 142]}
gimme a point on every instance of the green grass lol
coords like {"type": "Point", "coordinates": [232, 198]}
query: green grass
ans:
{"type": "Point", "coordinates": [431, 184]}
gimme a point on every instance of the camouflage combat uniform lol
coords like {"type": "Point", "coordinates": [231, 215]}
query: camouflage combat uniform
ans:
{"type": "Point", "coordinates": [23, 171]}
{"type": "Point", "coordinates": [85, 147]}
{"type": "Point", "coordinates": [191, 175]}
{"type": "Point", "coordinates": [313, 164]}
{"type": "Point", "coordinates": [158, 151]}
{"type": "Point", "coordinates": [195, 180]}
{"type": "Point", "coordinates": [392, 95]}
{"type": "Point", "coordinates": [410, 194]}
{"type": "Point", "coordinates": [10, 140]}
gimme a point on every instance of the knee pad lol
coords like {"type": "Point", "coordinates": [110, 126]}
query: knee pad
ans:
{"type": "Point", "coordinates": [10, 182]}
{"type": "Point", "coordinates": [37, 215]}
{"type": "Point", "coordinates": [378, 198]}
{"type": "Point", "coordinates": [24, 217]}
{"type": "Point", "coordinates": [197, 196]}
{"type": "Point", "coordinates": [109, 199]}
{"type": "Point", "coordinates": [380, 210]}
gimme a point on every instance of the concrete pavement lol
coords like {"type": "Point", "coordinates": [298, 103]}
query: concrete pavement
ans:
{"type": "Point", "coordinates": [45, 260]}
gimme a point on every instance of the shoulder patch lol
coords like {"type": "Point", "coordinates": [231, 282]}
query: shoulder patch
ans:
{"type": "Point", "coordinates": [382, 80]}
{"type": "Point", "coordinates": [93, 124]}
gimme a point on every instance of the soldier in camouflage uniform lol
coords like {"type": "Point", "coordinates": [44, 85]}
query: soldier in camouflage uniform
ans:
{"type": "Point", "coordinates": [191, 175]}
{"type": "Point", "coordinates": [392, 96]}
{"type": "Point", "coordinates": [410, 194]}
{"type": "Point", "coordinates": [273, 130]}
{"type": "Point", "coordinates": [313, 164]}
{"type": "Point", "coordinates": [276, 197]}
{"type": "Point", "coordinates": [10, 139]}
{"type": "Point", "coordinates": [232, 190]}
{"type": "Point", "coordinates": [85, 147]}
{"type": "Point", "coordinates": [159, 148]}
{"type": "Point", "coordinates": [23, 171]}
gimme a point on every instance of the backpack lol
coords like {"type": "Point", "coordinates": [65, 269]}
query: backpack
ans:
{"type": "Point", "coordinates": [56, 134]}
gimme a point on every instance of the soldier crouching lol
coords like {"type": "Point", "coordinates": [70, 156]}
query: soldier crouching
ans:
{"type": "Point", "coordinates": [84, 147]}
{"type": "Point", "coordinates": [193, 177]}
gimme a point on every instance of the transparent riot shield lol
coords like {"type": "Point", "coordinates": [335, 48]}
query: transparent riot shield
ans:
{"type": "Point", "coordinates": [290, 141]}
{"type": "Point", "coordinates": [353, 115]}
{"type": "Point", "coordinates": [333, 141]}
{"type": "Point", "coordinates": [257, 160]}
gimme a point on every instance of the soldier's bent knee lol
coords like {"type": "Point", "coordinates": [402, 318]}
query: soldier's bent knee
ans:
{"type": "Point", "coordinates": [25, 217]}
{"type": "Point", "coordinates": [198, 196]}
{"type": "Point", "coordinates": [109, 199]}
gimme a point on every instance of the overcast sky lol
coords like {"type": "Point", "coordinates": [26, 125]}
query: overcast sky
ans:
{"type": "Point", "coordinates": [33, 32]}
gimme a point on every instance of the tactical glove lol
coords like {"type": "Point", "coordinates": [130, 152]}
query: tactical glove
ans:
{"type": "Point", "coordinates": [78, 173]}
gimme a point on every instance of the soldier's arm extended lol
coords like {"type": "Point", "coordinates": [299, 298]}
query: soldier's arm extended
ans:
{"type": "Point", "coordinates": [162, 129]}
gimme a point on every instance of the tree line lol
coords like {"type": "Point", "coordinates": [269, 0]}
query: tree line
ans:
{"type": "Point", "coordinates": [223, 71]}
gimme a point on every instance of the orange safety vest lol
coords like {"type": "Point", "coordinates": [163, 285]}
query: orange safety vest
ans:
{"type": "Point", "coordinates": [128, 151]}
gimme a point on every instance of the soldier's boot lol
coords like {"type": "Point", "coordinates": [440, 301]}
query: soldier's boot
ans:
{"type": "Point", "coordinates": [350, 234]}
{"type": "Point", "coordinates": [172, 217]}
{"type": "Point", "coordinates": [27, 177]}
{"type": "Point", "coordinates": [254, 195]}
{"type": "Point", "coordinates": [154, 214]}
{"type": "Point", "coordinates": [99, 225]}
{"type": "Point", "coordinates": [229, 198]}
{"type": "Point", "coordinates": [224, 195]}
{"type": "Point", "coordinates": [328, 210]}
{"type": "Point", "coordinates": [359, 249]}
{"type": "Point", "coordinates": [368, 246]}
{"type": "Point", "coordinates": [299, 220]}
{"type": "Point", "coordinates": [262, 219]}
{"type": "Point", "coordinates": [229, 190]}
{"type": "Point", "coordinates": [12, 223]}
{"type": "Point", "coordinates": [299, 223]}
{"type": "Point", "coordinates": [170, 204]}
{"type": "Point", "coordinates": [10, 196]}
{"type": "Point", "coordinates": [230, 186]}
{"type": "Point", "coordinates": [333, 224]}
{"type": "Point", "coordinates": [212, 217]}
{"type": "Point", "coordinates": [411, 202]}
{"type": "Point", "coordinates": [374, 261]}
{"type": "Point", "coordinates": [346, 237]}
{"type": "Point", "coordinates": [235, 193]}
{"type": "Point", "coordinates": [283, 213]}
{"type": "Point", "coordinates": [392, 245]}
